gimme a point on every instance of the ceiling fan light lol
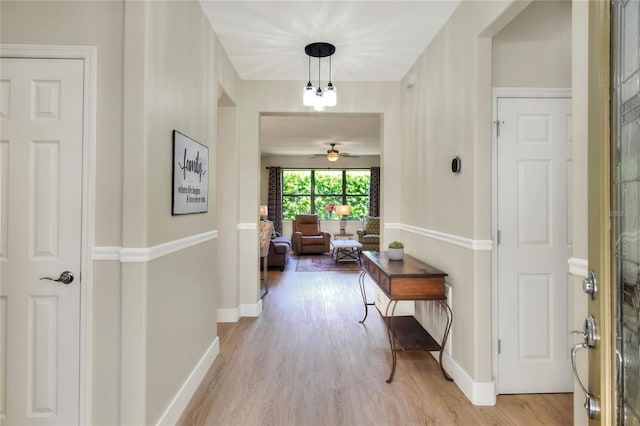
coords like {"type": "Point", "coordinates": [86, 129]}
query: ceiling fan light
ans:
{"type": "Point", "coordinates": [332, 155]}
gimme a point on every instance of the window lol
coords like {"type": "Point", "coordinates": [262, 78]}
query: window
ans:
{"type": "Point", "coordinates": [312, 191]}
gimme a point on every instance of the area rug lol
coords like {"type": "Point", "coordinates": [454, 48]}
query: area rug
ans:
{"type": "Point", "coordinates": [325, 263]}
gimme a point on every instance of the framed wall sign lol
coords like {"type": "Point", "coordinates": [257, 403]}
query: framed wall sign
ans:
{"type": "Point", "coordinates": [190, 176]}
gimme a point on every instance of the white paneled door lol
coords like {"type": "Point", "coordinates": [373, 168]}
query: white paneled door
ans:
{"type": "Point", "coordinates": [41, 113]}
{"type": "Point", "coordinates": [534, 193]}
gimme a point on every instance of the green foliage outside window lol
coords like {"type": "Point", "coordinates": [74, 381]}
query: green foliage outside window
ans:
{"type": "Point", "coordinates": [316, 191]}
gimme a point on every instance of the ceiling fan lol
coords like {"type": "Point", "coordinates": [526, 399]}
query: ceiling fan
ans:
{"type": "Point", "coordinates": [333, 154]}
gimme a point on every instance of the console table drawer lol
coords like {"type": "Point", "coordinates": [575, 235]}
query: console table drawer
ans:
{"type": "Point", "coordinates": [384, 283]}
{"type": "Point", "coordinates": [422, 289]}
{"type": "Point", "coordinates": [371, 269]}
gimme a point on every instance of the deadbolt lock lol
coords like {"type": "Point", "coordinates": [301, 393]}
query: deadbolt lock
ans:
{"type": "Point", "coordinates": [590, 285]}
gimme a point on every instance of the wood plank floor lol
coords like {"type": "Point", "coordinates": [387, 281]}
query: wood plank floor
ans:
{"type": "Point", "coordinates": [308, 361]}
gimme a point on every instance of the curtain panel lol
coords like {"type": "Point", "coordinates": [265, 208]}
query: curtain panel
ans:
{"type": "Point", "coordinates": [274, 202]}
{"type": "Point", "coordinates": [374, 192]}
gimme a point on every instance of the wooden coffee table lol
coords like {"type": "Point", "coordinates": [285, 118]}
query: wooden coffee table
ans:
{"type": "Point", "coordinates": [346, 250]}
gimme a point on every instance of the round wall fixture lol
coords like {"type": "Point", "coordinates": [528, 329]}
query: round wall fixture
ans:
{"type": "Point", "coordinates": [456, 165]}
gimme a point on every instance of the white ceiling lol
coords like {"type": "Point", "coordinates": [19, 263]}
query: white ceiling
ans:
{"type": "Point", "coordinates": [356, 134]}
{"type": "Point", "coordinates": [375, 41]}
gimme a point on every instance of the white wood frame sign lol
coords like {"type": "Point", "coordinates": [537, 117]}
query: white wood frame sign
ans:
{"type": "Point", "coordinates": [190, 179]}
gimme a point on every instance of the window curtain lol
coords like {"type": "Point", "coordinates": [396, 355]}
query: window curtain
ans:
{"type": "Point", "coordinates": [374, 192]}
{"type": "Point", "coordinates": [274, 203]}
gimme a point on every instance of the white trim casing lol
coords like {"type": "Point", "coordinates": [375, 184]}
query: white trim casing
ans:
{"type": "Point", "coordinates": [89, 56]}
{"type": "Point", "coordinates": [130, 254]}
{"type": "Point", "coordinates": [180, 401]}
{"type": "Point", "coordinates": [506, 92]}
{"type": "Point", "coordinates": [468, 243]}
{"type": "Point", "coordinates": [578, 267]}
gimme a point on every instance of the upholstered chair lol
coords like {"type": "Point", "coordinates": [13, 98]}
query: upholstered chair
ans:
{"type": "Point", "coordinates": [266, 229]}
{"type": "Point", "coordinates": [369, 234]}
{"type": "Point", "coordinates": [307, 236]}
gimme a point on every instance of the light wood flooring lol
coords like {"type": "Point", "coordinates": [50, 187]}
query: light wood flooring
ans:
{"type": "Point", "coordinates": [308, 361]}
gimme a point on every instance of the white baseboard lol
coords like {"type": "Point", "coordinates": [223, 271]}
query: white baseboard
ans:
{"type": "Point", "coordinates": [251, 309]}
{"type": "Point", "coordinates": [181, 399]}
{"type": "Point", "coordinates": [228, 315]}
{"type": "Point", "coordinates": [244, 310]}
{"type": "Point", "coordinates": [479, 393]}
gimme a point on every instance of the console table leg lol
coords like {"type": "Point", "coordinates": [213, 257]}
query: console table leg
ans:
{"type": "Point", "coordinates": [445, 337]}
{"type": "Point", "coordinates": [392, 342]}
{"type": "Point", "coordinates": [363, 292]}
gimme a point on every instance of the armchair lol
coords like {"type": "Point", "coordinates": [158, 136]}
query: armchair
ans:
{"type": "Point", "coordinates": [369, 234]}
{"type": "Point", "coordinates": [266, 229]}
{"type": "Point", "coordinates": [307, 236]}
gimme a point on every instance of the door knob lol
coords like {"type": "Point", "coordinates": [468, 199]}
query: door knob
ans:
{"type": "Point", "coordinates": [591, 337]}
{"type": "Point", "coordinates": [65, 278]}
{"type": "Point", "coordinates": [590, 333]}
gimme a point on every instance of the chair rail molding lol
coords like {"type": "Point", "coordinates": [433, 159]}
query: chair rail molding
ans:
{"type": "Point", "coordinates": [247, 226]}
{"type": "Point", "coordinates": [147, 254]}
{"type": "Point", "coordinates": [468, 243]}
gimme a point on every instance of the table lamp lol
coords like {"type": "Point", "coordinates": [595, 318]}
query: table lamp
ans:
{"type": "Point", "coordinates": [343, 211]}
{"type": "Point", "coordinates": [263, 212]}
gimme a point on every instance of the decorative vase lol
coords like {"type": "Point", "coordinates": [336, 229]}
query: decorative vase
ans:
{"type": "Point", "coordinates": [395, 254]}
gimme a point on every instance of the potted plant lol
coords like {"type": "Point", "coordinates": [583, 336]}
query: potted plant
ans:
{"type": "Point", "coordinates": [396, 250]}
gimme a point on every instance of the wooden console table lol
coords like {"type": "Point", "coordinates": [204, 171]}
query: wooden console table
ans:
{"type": "Point", "coordinates": [407, 279]}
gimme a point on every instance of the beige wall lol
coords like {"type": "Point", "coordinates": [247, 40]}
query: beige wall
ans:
{"type": "Point", "coordinates": [284, 97]}
{"type": "Point", "coordinates": [150, 84]}
{"type": "Point", "coordinates": [534, 50]}
{"type": "Point", "coordinates": [227, 205]}
{"type": "Point", "coordinates": [153, 320]}
{"type": "Point", "coordinates": [447, 112]}
{"type": "Point", "coordinates": [181, 87]}
{"type": "Point", "coordinates": [100, 24]}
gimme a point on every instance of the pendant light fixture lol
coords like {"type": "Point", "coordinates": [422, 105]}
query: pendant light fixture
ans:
{"type": "Point", "coordinates": [316, 97]}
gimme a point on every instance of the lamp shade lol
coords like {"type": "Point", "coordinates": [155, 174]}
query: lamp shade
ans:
{"type": "Point", "coordinates": [343, 210]}
{"type": "Point", "coordinates": [264, 211]}
{"type": "Point", "coordinates": [309, 95]}
{"type": "Point", "coordinates": [330, 95]}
